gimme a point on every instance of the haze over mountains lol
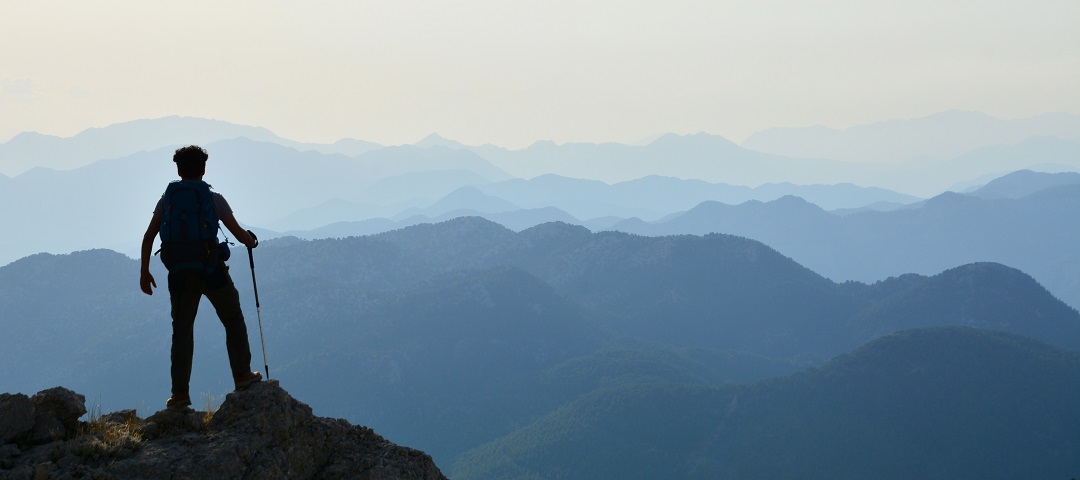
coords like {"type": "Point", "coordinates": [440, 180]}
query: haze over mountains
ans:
{"type": "Point", "coordinates": [30, 150]}
{"type": "Point", "coordinates": [283, 186]}
{"type": "Point", "coordinates": [279, 187]}
{"type": "Point", "coordinates": [685, 308]}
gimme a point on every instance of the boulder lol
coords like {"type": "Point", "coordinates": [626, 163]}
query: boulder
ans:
{"type": "Point", "coordinates": [56, 414]}
{"type": "Point", "coordinates": [16, 417]}
{"type": "Point", "coordinates": [122, 416]}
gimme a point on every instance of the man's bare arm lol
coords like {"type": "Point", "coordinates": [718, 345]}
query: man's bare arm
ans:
{"type": "Point", "coordinates": [241, 235]}
{"type": "Point", "coordinates": [146, 280]}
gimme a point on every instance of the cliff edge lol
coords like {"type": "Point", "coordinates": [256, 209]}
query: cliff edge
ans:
{"type": "Point", "coordinates": [261, 432]}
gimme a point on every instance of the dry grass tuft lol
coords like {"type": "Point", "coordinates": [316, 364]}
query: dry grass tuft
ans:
{"type": "Point", "coordinates": [210, 409]}
{"type": "Point", "coordinates": [104, 438]}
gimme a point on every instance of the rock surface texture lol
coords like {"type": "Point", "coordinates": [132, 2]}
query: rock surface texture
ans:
{"type": "Point", "coordinates": [261, 432]}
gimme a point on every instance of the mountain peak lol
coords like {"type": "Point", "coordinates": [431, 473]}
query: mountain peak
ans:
{"type": "Point", "coordinates": [543, 144]}
{"type": "Point", "coordinates": [436, 140]}
{"type": "Point", "coordinates": [1025, 182]}
{"type": "Point", "coordinates": [261, 432]}
{"type": "Point", "coordinates": [31, 137]}
{"type": "Point", "coordinates": [696, 139]}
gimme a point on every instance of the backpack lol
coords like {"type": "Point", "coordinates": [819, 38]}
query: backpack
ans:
{"type": "Point", "coordinates": [189, 226]}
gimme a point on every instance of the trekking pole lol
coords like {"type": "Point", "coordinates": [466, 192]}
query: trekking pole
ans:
{"type": "Point", "coordinates": [258, 314]}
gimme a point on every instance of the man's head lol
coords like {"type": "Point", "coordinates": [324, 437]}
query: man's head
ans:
{"type": "Point", "coordinates": [190, 162]}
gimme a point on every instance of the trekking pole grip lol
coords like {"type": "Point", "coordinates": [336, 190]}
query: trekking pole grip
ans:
{"type": "Point", "coordinates": [251, 259]}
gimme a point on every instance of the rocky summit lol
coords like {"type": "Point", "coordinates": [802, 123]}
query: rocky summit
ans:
{"type": "Point", "coordinates": [261, 432]}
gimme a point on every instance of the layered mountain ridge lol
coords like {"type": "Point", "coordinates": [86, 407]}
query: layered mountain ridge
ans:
{"type": "Point", "coordinates": [458, 333]}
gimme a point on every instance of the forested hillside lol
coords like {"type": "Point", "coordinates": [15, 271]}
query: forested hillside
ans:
{"type": "Point", "coordinates": [941, 403]}
{"type": "Point", "coordinates": [448, 336]}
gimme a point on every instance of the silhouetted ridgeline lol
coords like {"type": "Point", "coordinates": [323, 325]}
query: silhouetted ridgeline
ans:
{"type": "Point", "coordinates": [261, 432]}
{"type": "Point", "coordinates": [446, 337]}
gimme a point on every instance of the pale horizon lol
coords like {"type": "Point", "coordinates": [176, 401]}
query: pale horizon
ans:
{"type": "Point", "coordinates": [639, 141]}
{"type": "Point", "coordinates": [482, 72]}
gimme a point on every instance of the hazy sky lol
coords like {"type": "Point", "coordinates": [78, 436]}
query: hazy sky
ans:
{"type": "Point", "coordinates": [514, 71]}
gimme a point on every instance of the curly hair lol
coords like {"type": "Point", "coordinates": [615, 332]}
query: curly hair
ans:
{"type": "Point", "coordinates": [190, 161]}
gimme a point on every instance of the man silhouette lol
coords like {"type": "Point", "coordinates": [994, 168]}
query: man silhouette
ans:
{"type": "Point", "coordinates": [209, 277]}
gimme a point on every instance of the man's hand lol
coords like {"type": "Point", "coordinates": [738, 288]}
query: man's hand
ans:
{"type": "Point", "coordinates": [145, 281]}
{"type": "Point", "coordinates": [254, 240]}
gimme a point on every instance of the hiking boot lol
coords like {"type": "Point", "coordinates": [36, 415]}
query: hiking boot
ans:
{"type": "Point", "coordinates": [245, 381]}
{"type": "Point", "coordinates": [178, 403]}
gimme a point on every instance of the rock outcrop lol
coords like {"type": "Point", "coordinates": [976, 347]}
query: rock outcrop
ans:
{"type": "Point", "coordinates": [49, 415]}
{"type": "Point", "coordinates": [261, 432]}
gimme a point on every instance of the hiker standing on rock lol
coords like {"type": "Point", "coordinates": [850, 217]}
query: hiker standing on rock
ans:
{"type": "Point", "coordinates": [187, 218]}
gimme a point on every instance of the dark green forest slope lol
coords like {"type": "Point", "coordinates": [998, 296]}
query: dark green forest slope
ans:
{"type": "Point", "coordinates": [940, 403]}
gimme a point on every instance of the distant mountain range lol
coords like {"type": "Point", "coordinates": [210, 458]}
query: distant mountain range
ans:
{"type": "Point", "coordinates": [449, 336]}
{"type": "Point", "coordinates": [1022, 183]}
{"type": "Point", "coordinates": [279, 189]}
{"type": "Point", "coordinates": [586, 202]}
{"type": "Point", "coordinates": [31, 150]}
{"type": "Point", "coordinates": [714, 159]}
{"type": "Point", "coordinates": [1025, 219]}
{"type": "Point", "coordinates": [920, 156]}
{"type": "Point", "coordinates": [1037, 232]}
{"type": "Point", "coordinates": [108, 203]}
{"type": "Point", "coordinates": [281, 185]}
{"type": "Point", "coordinates": [999, 223]}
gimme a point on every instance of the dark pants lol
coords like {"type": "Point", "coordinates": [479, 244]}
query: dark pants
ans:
{"type": "Point", "coordinates": [186, 289]}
